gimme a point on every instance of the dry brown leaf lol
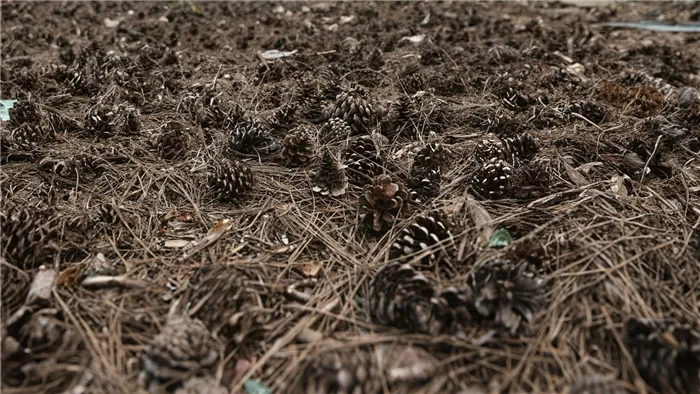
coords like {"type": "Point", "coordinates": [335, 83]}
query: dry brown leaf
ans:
{"type": "Point", "coordinates": [70, 277]}
{"type": "Point", "coordinates": [311, 269]}
{"type": "Point", "coordinates": [574, 175]}
{"type": "Point", "coordinates": [482, 221]}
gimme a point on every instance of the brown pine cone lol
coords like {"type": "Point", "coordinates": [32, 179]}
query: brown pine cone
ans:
{"type": "Point", "coordinates": [507, 293]}
{"type": "Point", "coordinates": [26, 235]}
{"type": "Point", "coordinates": [401, 297]}
{"type": "Point", "coordinates": [250, 137]}
{"type": "Point", "coordinates": [521, 148]}
{"type": "Point", "coordinates": [182, 349]}
{"type": "Point", "coordinates": [382, 202]}
{"type": "Point", "coordinates": [489, 148]}
{"type": "Point", "coordinates": [172, 142]}
{"type": "Point", "coordinates": [411, 79]}
{"type": "Point", "coordinates": [298, 147]}
{"type": "Point", "coordinates": [335, 129]}
{"type": "Point", "coordinates": [425, 185]}
{"type": "Point", "coordinates": [330, 177]}
{"type": "Point", "coordinates": [666, 353]}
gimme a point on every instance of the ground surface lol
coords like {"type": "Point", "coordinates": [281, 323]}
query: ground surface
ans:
{"type": "Point", "coordinates": [608, 208]}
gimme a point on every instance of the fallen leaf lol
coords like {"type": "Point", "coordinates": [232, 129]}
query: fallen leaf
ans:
{"type": "Point", "coordinates": [70, 277]}
{"type": "Point", "coordinates": [482, 220]}
{"type": "Point", "coordinates": [414, 39]}
{"type": "Point", "coordinates": [311, 269]}
{"type": "Point", "coordinates": [618, 188]}
{"type": "Point", "coordinates": [586, 167]}
{"type": "Point", "coordinates": [175, 243]}
{"type": "Point", "coordinates": [574, 176]}
{"type": "Point", "coordinates": [112, 23]}
{"type": "Point", "coordinates": [275, 54]}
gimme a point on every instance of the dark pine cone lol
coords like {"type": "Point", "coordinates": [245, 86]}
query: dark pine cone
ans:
{"type": "Point", "coordinates": [430, 157]}
{"type": "Point", "coordinates": [26, 234]}
{"type": "Point", "coordinates": [357, 370]}
{"type": "Point", "coordinates": [382, 202]}
{"type": "Point", "coordinates": [425, 185]}
{"type": "Point", "coordinates": [76, 166]}
{"type": "Point", "coordinates": [27, 137]}
{"type": "Point", "coordinates": [666, 354]}
{"type": "Point", "coordinates": [589, 110]}
{"type": "Point", "coordinates": [596, 384]}
{"type": "Point", "coordinates": [182, 349]}
{"type": "Point", "coordinates": [411, 79]}
{"type": "Point", "coordinates": [506, 293]}
{"type": "Point", "coordinates": [330, 177]}
{"type": "Point", "coordinates": [100, 120]}
{"type": "Point", "coordinates": [130, 122]}
{"type": "Point", "coordinates": [250, 137]}
{"type": "Point", "coordinates": [231, 179]}
{"type": "Point", "coordinates": [343, 373]}
{"type": "Point", "coordinates": [363, 161]}
{"type": "Point", "coordinates": [335, 129]}
{"type": "Point", "coordinates": [401, 297]}
{"type": "Point", "coordinates": [24, 112]}
{"type": "Point", "coordinates": [493, 180]}
{"type": "Point", "coordinates": [329, 84]}
{"type": "Point", "coordinates": [218, 295]}
{"type": "Point", "coordinates": [428, 233]}
{"type": "Point", "coordinates": [172, 142]}
{"type": "Point", "coordinates": [355, 110]}
{"type": "Point", "coordinates": [490, 148]}
{"type": "Point", "coordinates": [298, 147]}
{"type": "Point", "coordinates": [521, 148]}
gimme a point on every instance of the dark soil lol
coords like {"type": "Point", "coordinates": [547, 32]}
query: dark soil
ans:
{"type": "Point", "coordinates": [127, 108]}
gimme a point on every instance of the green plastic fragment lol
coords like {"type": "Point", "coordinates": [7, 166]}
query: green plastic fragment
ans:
{"type": "Point", "coordinates": [500, 239]}
{"type": "Point", "coordinates": [5, 105]}
{"type": "Point", "coordinates": [254, 386]}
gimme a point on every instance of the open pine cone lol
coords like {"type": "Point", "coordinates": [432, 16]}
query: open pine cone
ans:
{"type": "Point", "coordinates": [352, 108]}
{"type": "Point", "coordinates": [506, 293]}
{"type": "Point", "coordinates": [298, 147]}
{"type": "Point", "coordinates": [100, 121]}
{"type": "Point", "coordinates": [330, 177]}
{"type": "Point", "coordinates": [249, 137]}
{"type": "Point", "coordinates": [231, 179]}
{"type": "Point", "coordinates": [26, 236]}
{"type": "Point", "coordinates": [382, 202]}
{"type": "Point", "coordinates": [172, 142]}
{"type": "Point", "coordinates": [401, 297]}
{"type": "Point", "coordinates": [666, 353]}
{"type": "Point", "coordinates": [428, 233]}
{"type": "Point", "coordinates": [182, 349]}
{"type": "Point", "coordinates": [521, 148]}
{"type": "Point", "coordinates": [219, 296]}
{"type": "Point", "coordinates": [363, 161]}
{"type": "Point", "coordinates": [490, 148]}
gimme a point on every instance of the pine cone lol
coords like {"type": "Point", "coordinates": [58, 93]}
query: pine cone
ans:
{"type": "Point", "coordinates": [172, 142]}
{"type": "Point", "coordinates": [363, 161]}
{"type": "Point", "coordinates": [346, 372]}
{"type": "Point", "coordinates": [182, 349]}
{"type": "Point", "coordinates": [493, 180]}
{"type": "Point", "coordinates": [382, 202]}
{"type": "Point", "coordinates": [335, 129]}
{"type": "Point", "coordinates": [596, 384]}
{"type": "Point", "coordinates": [216, 294]}
{"type": "Point", "coordinates": [249, 137]}
{"type": "Point", "coordinates": [26, 234]}
{"type": "Point", "coordinates": [355, 110]}
{"type": "Point", "coordinates": [330, 177]}
{"type": "Point", "coordinates": [506, 293]}
{"type": "Point", "coordinates": [401, 297]}
{"type": "Point", "coordinates": [100, 120]}
{"type": "Point", "coordinates": [521, 148]}
{"type": "Point", "coordinates": [27, 137]}
{"type": "Point", "coordinates": [74, 166]}
{"type": "Point", "coordinates": [490, 148]}
{"type": "Point", "coordinates": [411, 80]}
{"type": "Point", "coordinates": [424, 186]}
{"type": "Point", "coordinates": [589, 110]}
{"type": "Point", "coordinates": [359, 371]}
{"type": "Point", "coordinates": [24, 112]}
{"type": "Point", "coordinates": [130, 122]}
{"type": "Point", "coordinates": [430, 157]}
{"type": "Point", "coordinates": [329, 84]}
{"type": "Point", "coordinates": [429, 233]}
{"type": "Point", "coordinates": [298, 147]}
{"type": "Point", "coordinates": [666, 353]}
{"type": "Point", "coordinates": [231, 179]}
